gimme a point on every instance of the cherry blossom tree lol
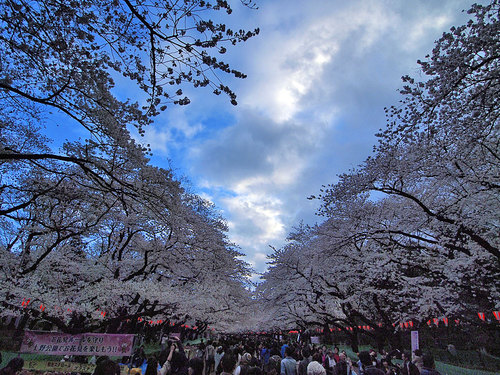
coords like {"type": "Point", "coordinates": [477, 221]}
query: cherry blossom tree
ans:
{"type": "Point", "coordinates": [92, 234]}
{"type": "Point", "coordinates": [439, 153]}
{"type": "Point", "coordinates": [412, 233]}
{"type": "Point", "coordinates": [132, 245]}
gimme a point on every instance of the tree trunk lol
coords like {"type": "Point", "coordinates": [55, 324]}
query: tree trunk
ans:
{"type": "Point", "coordinates": [354, 341]}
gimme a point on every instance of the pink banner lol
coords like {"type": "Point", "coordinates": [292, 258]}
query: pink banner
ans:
{"type": "Point", "coordinates": [97, 344]}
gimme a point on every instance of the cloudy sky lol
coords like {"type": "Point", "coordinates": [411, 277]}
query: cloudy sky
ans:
{"type": "Point", "coordinates": [319, 76]}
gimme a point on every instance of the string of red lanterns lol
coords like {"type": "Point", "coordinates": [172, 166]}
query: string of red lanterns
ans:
{"type": "Point", "coordinates": [26, 302]}
{"type": "Point", "coordinates": [482, 316]}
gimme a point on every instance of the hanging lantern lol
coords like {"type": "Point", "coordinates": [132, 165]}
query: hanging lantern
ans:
{"type": "Point", "coordinates": [436, 321]}
{"type": "Point", "coordinates": [445, 320]}
{"type": "Point", "coordinates": [497, 315]}
{"type": "Point", "coordinates": [481, 316]}
{"type": "Point", "coordinates": [410, 323]}
{"type": "Point", "coordinates": [429, 323]}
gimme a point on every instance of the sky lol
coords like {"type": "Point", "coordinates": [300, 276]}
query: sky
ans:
{"type": "Point", "coordinates": [319, 76]}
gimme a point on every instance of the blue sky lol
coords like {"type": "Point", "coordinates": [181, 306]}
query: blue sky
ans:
{"type": "Point", "coordinates": [319, 76]}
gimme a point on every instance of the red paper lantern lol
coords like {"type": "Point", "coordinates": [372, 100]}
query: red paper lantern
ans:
{"type": "Point", "coordinates": [497, 315]}
{"type": "Point", "coordinates": [481, 316]}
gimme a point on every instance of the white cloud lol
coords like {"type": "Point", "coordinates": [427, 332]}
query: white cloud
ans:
{"type": "Point", "coordinates": [435, 24]}
{"type": "Point", "coordinates": [256, 214]}
{"type": "Point", "coordinates": [291, 63]}
{"type": "Point", "coordinates": [320, 75]}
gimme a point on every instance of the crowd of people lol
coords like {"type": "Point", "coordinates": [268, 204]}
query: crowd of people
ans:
{"type": "Point", "coordinates": [253, 357]}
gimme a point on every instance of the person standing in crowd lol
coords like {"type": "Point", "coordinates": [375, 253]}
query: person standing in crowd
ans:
{"type": "Point", "coordinates": [315, 368]}
{"type": "Point", "coordinates": [275, 350]}
{"type": "Point", "coordinates": [323, 355]}
{"type": "Point", "coordinates": [152, 366]}
{"type": "Point", "coordinates": [329, 363]}
{"type": "Point", "coordinates": [417, 359]}
{"type": "Point", "coordinates": [265, 354]}
{"type": "Point", "coordinates": [195, 366]}
{"type": "Point", "coordinates": [283, 348]}
{"type": "Point", "coordinates": [367, 366]}
{"type": "Point", "coordinates": [428, 365]}
{"type": "Point", "coordinates": [228, 363]}
{"type": "Point", "coordinates": [274, 365]}
{"type": "Point", "coordinates": [209, 358]}
{"type": "Point", "coordinates": [343, 366]}
{"type": "Point", "coordinates": [306, 359]}
{"type": "Point", "coordinates": [177, 359]}
{"type": "Point", "coordinates": [245, 363]}
{"type": "Point", "coordinates": [106, 366]}
{"type": "Point", "coordinates": [200, 352]}
{"type": "Point", "coordinates": [375, 361]}
{"type": "Point", "coordinates": [336, 354]}
{"type": "Point", "coordinates": [288, 364]}
{"type": "Point", "coordinates": [138, 357]}
{"type": "Point", "coordinates": [219, 353]}
{"type": "Point", "coordinates": [387, 367]}
{"type": "Point", "coordinates": [14, 365]}
{"type": "Point", "coordinates": [408, 367]}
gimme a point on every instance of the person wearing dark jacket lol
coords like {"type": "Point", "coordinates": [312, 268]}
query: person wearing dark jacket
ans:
{"type": "Point", "coordinates": [306, 359]}
{"type": "Point", "coordinates": [14, 365]}
{"type": "Point", "coordinates": [367, 365]}
{"type": "Point", "coordinates": [343, 367]}
{"type": "Point", "coordinates": [428, 365]}
{"type": "Point", "coordinates": [408, 367]}
{"type": "Point", "coordinates": [177, 359]}
{"type": "Point", "coordinates": [106, 366]}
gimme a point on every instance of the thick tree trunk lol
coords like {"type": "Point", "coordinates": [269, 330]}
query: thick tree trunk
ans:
{"type": "Point", "coordinates": [354, 341]}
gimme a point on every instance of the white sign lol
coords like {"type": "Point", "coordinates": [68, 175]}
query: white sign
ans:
{"type": "Point", "coordinates": [414, 341]}
{"type": "Point", "coordinates": [314, 339]}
